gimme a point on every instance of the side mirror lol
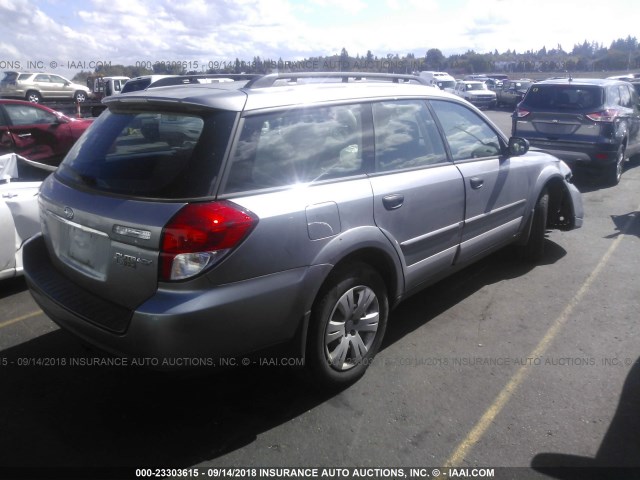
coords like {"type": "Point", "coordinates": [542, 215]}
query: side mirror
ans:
{"type": "Point", "coordinates": [518, 146]}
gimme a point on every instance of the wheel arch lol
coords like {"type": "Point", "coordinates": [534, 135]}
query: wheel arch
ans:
{"type": "Point", "coordinates": [380, 261]}
{"type": "Point", "coordinates": [30, 91]}
{"type": "Point", "coordinates": [377, 252]}
{"type": "Point", "coordinates": [560, 210]}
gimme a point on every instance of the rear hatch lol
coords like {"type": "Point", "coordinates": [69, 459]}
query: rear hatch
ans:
{"type": "Point", "coordinates": [104, 210]}
{"type": "Point", "coordinates": [8, 82]}
{"type": "Point", "coordinates": [559, 112]}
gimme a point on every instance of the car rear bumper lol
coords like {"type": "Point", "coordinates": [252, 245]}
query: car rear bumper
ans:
{"type": "Point", "coordinates": [222, 322]}
{"type": "Point", "coordinates": [595, 155]}
{"type": "Point", "coordinates": [482, 103]}
{"type": "Point", "coordinates": [576, 202]}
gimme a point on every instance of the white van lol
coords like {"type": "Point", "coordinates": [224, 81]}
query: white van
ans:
{"type": "Point", "coordinates": [441, 80]}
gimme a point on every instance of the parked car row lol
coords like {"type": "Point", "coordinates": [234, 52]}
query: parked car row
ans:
{"type": "Point", "coordinates": [294, 215]}
{"type": "Point", "coordinates": [592, 124]}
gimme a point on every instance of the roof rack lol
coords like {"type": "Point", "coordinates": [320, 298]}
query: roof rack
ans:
{"type": "Point", "coordinates": [346, 77]}
{"type": "Point", "coordinates": [196, 78]}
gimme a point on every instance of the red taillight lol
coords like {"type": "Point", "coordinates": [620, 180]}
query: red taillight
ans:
{"type": "Point", "coordinates": [608, 115]}
{"type": "Point", "coordinates": [521, 112]}
{"type": "Point", "coordinates": [199, 235]}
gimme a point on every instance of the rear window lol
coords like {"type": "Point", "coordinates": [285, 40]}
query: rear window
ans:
{"type": "Point", "coordinates": [564, 97]}
{"type": "Point", "coordinates": [161, 155]}
{"type": "Point", "coordinates": [9, 77]}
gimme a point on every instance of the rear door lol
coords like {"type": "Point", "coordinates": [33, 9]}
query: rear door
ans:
{"type": "Point", "coordinates": [60, 88]}
{"type": "Point", "coordinates": [43, 83]}
{"type": "Point", "coordinates": [496, 187]}
{"type": "Point", "coordinates": [418, 192]}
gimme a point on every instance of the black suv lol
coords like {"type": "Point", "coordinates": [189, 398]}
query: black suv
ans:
{"type": "Point", "coordinates": [588, 122]}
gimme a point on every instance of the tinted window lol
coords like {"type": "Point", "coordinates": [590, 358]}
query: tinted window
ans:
{"type": "Point", "coordinates": [42, 78]}
{"type": "Point", "coordinates": [9, 77]}
{"type": "Point", "coordinates": [468, 135]}
{"type": "Point", "coordinates": [405, 136]}
{"type": "Point", "coordinates": [297, 146]}
{"type": "Point", "coordinates": [564, 97]}
{"type": "Point", "coordinates": [27, 115]}
{"type": "Point", "coordinates": [150, 154]}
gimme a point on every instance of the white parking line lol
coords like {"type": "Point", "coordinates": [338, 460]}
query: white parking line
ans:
{"type": "Point", "coordinates": [480, 428]}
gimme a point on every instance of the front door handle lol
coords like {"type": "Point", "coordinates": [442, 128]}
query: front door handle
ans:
{"type": "Point", "coordinates": [393, 201]}
{"type": "Point", "coordinates": [476, 182]}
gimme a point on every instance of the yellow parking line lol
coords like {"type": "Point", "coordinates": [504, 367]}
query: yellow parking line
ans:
{"type": "Point", "coordinates": [504, 396]}
{"type": "Point", "coordinates": [19, 319]}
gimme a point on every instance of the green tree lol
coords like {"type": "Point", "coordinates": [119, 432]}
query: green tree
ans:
{"type": "Point", "coordinates": [434, 59]}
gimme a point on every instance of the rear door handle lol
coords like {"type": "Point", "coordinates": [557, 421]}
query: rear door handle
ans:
{"type": "Point", "coordinates": [393, 201]}
{"type": "Point", "coordinates": [476, 182]}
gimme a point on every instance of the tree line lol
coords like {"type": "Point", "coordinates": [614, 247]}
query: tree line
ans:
{"type": "Point", "coordinates": [622, 54]}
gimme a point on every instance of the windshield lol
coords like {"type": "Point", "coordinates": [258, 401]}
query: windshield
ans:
{"type": "Point", "coordinates": [157, 154]}
{"type": "Point", "coordinates": [442, 84]}
{"type": "Point", "coordinates": [563, 97]}
{"type": "Point", "coordinates": [475, 86]}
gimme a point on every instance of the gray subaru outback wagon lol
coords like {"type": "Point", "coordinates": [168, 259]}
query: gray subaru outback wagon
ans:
{"type": "Point", "coordinates": [215, 221]}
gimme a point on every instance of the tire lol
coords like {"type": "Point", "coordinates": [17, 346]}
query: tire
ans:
{"type": "Point", "coordinates": [613, 173]}
{"type": "Point", "coordinates": [348, 321]}
{"type": "Point", "coordinates": [80, 96]}
{"type": "Point", "coordinates": [533, 250]}
{"type": "Point", "coordinates": [33, 96]}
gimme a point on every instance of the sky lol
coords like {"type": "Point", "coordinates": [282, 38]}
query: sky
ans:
{"type": "Point", "coordinates": [66, 36]}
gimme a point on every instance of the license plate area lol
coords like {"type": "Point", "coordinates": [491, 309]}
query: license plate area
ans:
{"type": "Point", "coordinates": [83, 248]}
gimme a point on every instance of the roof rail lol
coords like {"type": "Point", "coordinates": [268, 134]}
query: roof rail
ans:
{"type": "Point", "coordinates": [196, 78]}
{"type": "Point", "coordinates": [345, 77]}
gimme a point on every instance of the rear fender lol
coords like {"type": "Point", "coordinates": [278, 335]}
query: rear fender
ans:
{"type": "Point", "coordinates": [365, 244]}
{"type": "Point", "coordinates": [369, 244]}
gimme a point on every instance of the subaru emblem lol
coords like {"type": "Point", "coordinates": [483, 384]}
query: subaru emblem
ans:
{"type": "Point", "coordinates": [68, 212]}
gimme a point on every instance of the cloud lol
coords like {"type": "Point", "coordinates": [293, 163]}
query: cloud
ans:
{"type": "Point", "coordinates": [126, 31]}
